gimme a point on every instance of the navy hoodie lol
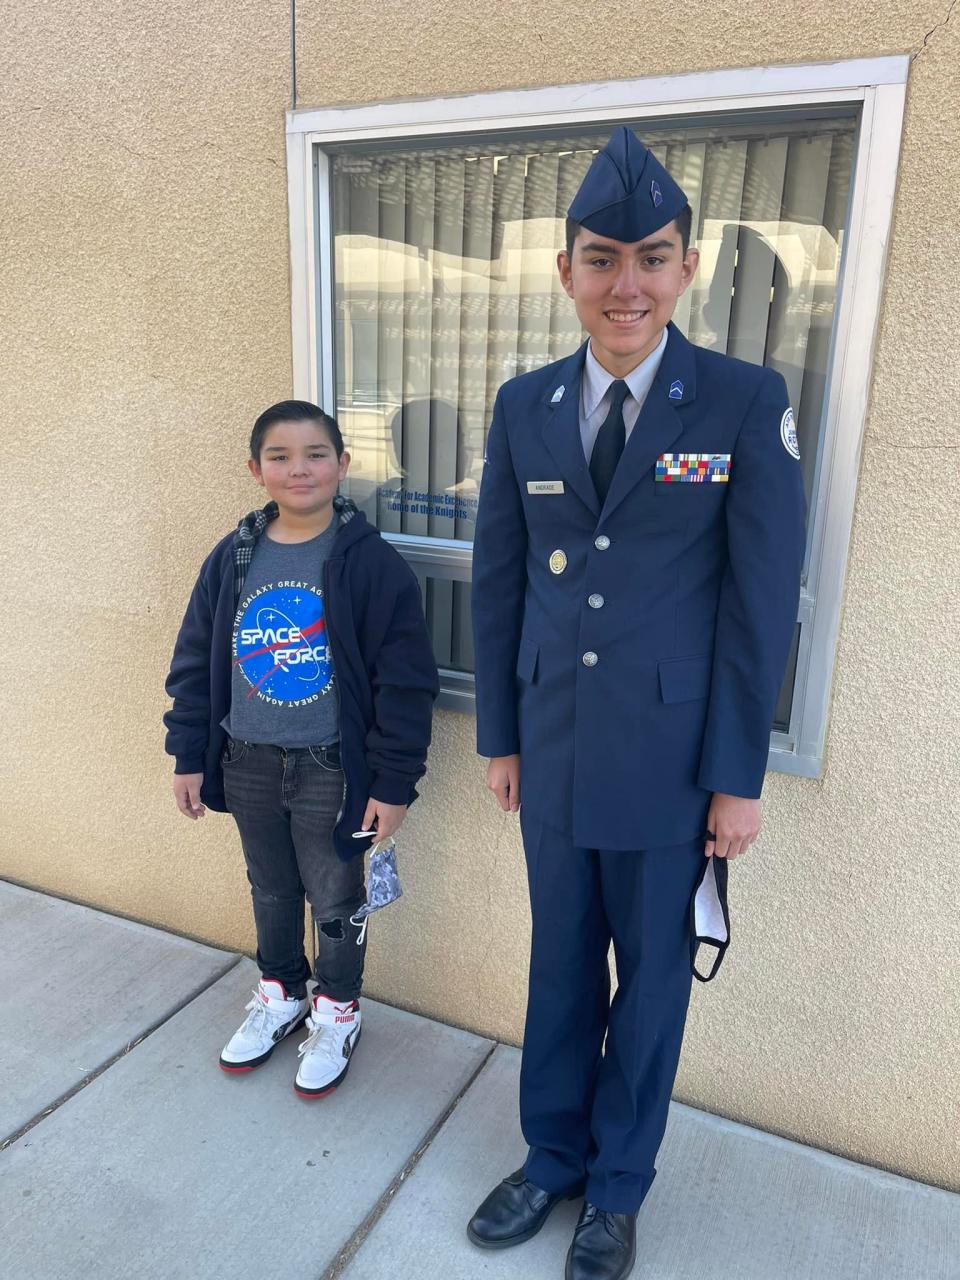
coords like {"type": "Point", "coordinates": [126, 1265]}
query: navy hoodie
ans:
{"type": "Point", "coordinates": [382, 657]}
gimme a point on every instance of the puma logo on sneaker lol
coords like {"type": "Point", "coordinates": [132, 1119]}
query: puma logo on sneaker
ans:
{"type": "Point", "coordinates": [326, 1052]}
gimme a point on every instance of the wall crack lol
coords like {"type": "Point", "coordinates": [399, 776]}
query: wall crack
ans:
{"type": "Point", "coordinates": [933, 30]}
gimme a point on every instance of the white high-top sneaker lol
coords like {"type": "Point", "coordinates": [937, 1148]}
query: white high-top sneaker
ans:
{"type": "Point", "coordinates": [272, 1015]}
{"type": "Point", "coordinates": [325, 1054]}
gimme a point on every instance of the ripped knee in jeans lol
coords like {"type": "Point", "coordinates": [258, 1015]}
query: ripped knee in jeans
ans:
{"type": "Point", "coordinates": [332, 929]}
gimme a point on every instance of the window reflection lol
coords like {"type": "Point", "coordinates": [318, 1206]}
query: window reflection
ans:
{"type": "Point", "coordinates": [446, 285]}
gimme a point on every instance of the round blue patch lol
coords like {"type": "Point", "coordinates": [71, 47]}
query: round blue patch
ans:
{"type": "Point", "coordinates": [282, 646]}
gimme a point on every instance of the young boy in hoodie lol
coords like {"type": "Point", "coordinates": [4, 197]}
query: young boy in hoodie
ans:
{"type": "Point", "coordinates": [302, 682]}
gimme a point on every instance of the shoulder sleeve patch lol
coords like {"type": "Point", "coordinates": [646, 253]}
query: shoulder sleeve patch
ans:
{"type": "Point", "coordinates": [788, 434]}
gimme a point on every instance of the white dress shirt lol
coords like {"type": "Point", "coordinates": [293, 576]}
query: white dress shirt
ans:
{"type": "Point", "coordinates": [595, 393]}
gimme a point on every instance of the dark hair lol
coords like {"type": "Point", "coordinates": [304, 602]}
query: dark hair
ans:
{"type": "Point", "coordinates": [683, 221]}
{"type": "Point", "coordinates": [293, 411]}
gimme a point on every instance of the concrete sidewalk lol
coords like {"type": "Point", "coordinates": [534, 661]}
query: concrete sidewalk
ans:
{"type": "Point", "coordinates": [126, 1152]}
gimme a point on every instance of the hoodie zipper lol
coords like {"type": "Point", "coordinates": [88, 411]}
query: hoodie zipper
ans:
{"type": "Point", "coordinates": [326, 613]}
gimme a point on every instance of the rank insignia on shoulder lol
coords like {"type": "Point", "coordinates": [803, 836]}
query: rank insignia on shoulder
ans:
{"type": "Point", "coordinates": [788, 434]}
{"type": "Point", "coordinates": [558, 561]}
{"type": "Point", "coordinates": [557, 395]}
{"type": "Point", "coordinates": [676, 390]}
{"type": "Point", "coordinates": [693, 468]}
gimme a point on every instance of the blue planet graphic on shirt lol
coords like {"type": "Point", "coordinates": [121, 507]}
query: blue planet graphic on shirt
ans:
{"type": "Point", "coordinates": [281, 645]}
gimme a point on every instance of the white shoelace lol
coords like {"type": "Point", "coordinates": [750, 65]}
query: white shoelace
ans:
{"type": "Point", "coordinates": [323, 1040]}
{"type": "Point", "coordinates": [259, 1015]}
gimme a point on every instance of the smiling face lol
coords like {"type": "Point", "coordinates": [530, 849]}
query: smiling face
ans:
{"type": "Point", "coordinates": [299, 468]}
{"type": "Point", "coordinates": [626, 293]}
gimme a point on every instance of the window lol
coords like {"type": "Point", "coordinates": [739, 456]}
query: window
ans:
{"type": "Point", "coordinates": [424, 276]}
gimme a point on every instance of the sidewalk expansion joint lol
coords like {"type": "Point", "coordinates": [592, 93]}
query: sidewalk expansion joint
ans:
{"type": "Point", "coordinates": [122, 1053]}
{"type": "Point", "coordinates": [353, 1245]}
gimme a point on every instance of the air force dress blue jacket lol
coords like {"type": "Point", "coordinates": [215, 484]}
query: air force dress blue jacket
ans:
{"type": "Point", "coordinates": [633, 654]}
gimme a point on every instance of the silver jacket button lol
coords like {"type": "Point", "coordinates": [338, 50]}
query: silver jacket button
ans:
{"type": "Point", "coordinates": [590, 659]}
{"type": "Point", "coordinates": [602, 543]}
{"type": "Point", "coordinates": [595, 601]}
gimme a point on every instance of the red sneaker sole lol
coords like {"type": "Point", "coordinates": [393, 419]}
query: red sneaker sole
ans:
{"type": "Point", "coordinates": [312, 1097]}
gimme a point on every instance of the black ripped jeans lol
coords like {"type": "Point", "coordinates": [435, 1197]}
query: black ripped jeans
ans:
{"type": "Point", "coordinates": [285, 802]}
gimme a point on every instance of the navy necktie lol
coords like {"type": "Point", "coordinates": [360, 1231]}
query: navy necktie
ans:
{"type": "Point", "coordinates": [610, 441]}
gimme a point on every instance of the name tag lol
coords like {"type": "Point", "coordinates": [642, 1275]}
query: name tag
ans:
{"type": "Point", "coordinates": [693, 468]}
{"type": "Point", "coordinates": [544, 486]}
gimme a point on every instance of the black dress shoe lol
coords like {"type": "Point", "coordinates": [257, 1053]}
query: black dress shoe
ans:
{"type": "Point", "coordinates": [604, 1245]}
{"type": "Point", "coordinates": [513, 1212]}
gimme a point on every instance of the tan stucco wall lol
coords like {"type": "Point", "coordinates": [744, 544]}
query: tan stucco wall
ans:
{"type": "Point", "coordinates": [144, 317]}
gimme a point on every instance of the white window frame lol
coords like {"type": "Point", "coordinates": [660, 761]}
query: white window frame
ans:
{"type": "Point", "coordinates": [878, 84]}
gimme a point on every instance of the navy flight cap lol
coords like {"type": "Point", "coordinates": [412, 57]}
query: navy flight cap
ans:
{"type": "Point", "coordinates": [627, 193]}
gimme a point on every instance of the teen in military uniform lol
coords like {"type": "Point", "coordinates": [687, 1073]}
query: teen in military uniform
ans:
{"type": "Point", "coordinates": [636, 579]}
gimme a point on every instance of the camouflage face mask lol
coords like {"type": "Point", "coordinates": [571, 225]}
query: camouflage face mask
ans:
{"type": "Point", "coordinates": [383, 884]}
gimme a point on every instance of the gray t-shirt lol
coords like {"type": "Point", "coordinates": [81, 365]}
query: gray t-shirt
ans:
{"type": "Point", "coordinates": [283, 689]}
